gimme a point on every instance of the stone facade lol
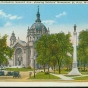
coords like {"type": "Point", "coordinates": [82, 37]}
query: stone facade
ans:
{"type": "Point", "coordinates": [24, 52]}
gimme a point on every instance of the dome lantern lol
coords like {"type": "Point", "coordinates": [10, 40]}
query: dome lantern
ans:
{"type": "Point", "coordinates": [38, 16]}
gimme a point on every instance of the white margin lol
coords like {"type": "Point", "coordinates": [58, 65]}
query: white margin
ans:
{"type": "Point", "coordinates": [44, 84]}
{"type": "Point", "coordinates": [43, 2]}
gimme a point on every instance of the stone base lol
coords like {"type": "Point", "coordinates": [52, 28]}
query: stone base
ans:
{"type": "Point", "coordinates": [74, 72]}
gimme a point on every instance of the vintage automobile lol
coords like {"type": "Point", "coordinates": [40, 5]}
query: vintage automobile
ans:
{"type": "Point", "coordinates": [2, 73]}
{"type": "Point", "coordinates": [9, 73]}
{"type": "Point", "coordinates": [16, 74]}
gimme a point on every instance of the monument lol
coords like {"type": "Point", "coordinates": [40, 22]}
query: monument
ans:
{"type": "Point", "coordinates": [75, 70]}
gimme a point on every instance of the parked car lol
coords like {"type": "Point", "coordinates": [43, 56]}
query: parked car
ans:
{"type": "Point", "coordinates": [16, 74]}
{"type": "Point", "coordinates": [2, 73]}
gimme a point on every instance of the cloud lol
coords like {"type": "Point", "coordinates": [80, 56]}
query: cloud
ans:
{"type": "Point", "coordinates": [11, 17]}
{"type": "Point", "coordinates": [14, 17]}
{"type": "Point", "coordinates": [48, 22]}
{"type": "Point", "coordinates": [19, 17]}
{"type": "Point", "coordinates": [8, 24]}
{"type": "Point", "coordinates": [61, 14]}
{"type": "Point", "coordinates": [2, 13]}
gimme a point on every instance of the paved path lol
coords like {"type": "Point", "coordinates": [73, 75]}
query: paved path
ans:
{"type": "Point", "coordinates": [63, 77]}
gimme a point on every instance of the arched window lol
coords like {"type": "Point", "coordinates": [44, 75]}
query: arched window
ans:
{"type": "Point", "coordinates": [18, 55]}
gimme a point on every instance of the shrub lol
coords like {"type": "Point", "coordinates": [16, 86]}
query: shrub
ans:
{"type": "Point", "coordinates": [29, 67]}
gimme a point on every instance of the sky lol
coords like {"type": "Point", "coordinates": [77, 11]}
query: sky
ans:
{"type": "Point", "coordinates": [56, 17]}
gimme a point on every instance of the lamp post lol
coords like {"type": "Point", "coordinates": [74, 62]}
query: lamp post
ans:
{"type": "Point", "coordinates": [49, 67]}
{"type": "Point", "coordinates": [34, 65]}
{"type": "Point", "coordinates": [21, 60]}
{"type": "Point", "coordinates": [10, 53]}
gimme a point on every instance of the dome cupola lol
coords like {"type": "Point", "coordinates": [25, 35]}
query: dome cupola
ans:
{"type": "Point", "coordinates": [38, 16]}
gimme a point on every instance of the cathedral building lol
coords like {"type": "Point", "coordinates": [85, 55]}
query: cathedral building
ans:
{"type": "Point", "coordinates": [24, 51]}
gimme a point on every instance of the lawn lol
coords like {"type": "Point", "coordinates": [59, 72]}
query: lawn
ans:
{"type": "Point", "coordinates": [18, 69]}
{"type": "Point", "coordinates": [42, 75]}
{"type": "Point", "coordinates": [81, 78]}
{"type": "Point", "coordinates": [84, 73]}
{"type": "Point", "coordinates": [62, 72]}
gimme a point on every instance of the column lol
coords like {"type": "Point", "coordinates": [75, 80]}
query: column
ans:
{"type": "Point", "coordinates": [75, 70]}
{"type": "Point", "coordinates": [24, 60]}
{"type": "Point", "coordinates": [32, 58]}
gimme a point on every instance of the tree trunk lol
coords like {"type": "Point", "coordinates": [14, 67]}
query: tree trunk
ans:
{"type": "Point", "coordinates": [59, 69]}
{"type": "Point", "coordinates": [48, 68]}
{"type": "Point", "coordinates": [67, 67]}
{"type": "Point", "coordinates": [81, 66]}
{"type": "Point", "coordinates": [54, 68]}
{"type": "Point", "coordinates": [44, 67]}
{"type": "Point", "coordinates": [84, 67]}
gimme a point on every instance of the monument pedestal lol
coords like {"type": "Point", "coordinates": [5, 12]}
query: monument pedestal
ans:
{"type": "Point", "coordinates": [74, 70]}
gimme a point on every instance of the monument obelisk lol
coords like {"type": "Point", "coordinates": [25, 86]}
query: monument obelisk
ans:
{"type": "Point", "coordinates": [75, 70]}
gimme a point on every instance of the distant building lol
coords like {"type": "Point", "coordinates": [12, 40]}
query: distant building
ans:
{"type": "Point", "coordinates": [24, 51]}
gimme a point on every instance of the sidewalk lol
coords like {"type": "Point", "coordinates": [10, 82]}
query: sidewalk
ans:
{"type": "Point", "coordinates": [62, 77]}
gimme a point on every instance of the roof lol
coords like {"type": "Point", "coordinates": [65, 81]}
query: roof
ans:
{"type": "Point", "coordinates": [38, 26]}
{"type": "Point", "coordinates": [22, 41]}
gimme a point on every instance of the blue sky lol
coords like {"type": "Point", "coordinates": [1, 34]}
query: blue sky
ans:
{"type": "Point", "coordinates": [58, 17]}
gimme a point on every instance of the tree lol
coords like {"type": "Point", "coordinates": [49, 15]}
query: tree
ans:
{"type": "Point", "coordinates": [5, 51]}
{"type": "Point", "coordinates": [41, 47]}
{"type": "Point", "coordinates": [83, 48]}
{"type": "Point", "coordinates": [68, 62]}
{"type": "Point", "coordinates": [53, 48]}
{"type": "Point", "coordinates": [63, 45]}
{"type": "Point", "coordinates": [53, 62]}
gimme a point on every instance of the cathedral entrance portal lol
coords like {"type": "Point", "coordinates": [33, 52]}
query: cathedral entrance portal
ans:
{"type": "Point", "coordinates": [18, 57]}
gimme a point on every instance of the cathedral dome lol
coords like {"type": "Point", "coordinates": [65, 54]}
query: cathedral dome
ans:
{"type": "Point", "coordinates": [38, 25]}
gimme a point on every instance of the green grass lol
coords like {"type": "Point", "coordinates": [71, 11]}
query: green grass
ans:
{"type": "Point", "coordinates": [42, 75]}
{"type": "Point", "coordinates": [62, 72]}
{"type": "Point", "coordinates": [81, 78]}
{"type": "Point", "coordinates": [18, 69]}
{"type": "Point", "coordinates": [65, 72]}
{"type": "Point", "coordinates": [84, 73]}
